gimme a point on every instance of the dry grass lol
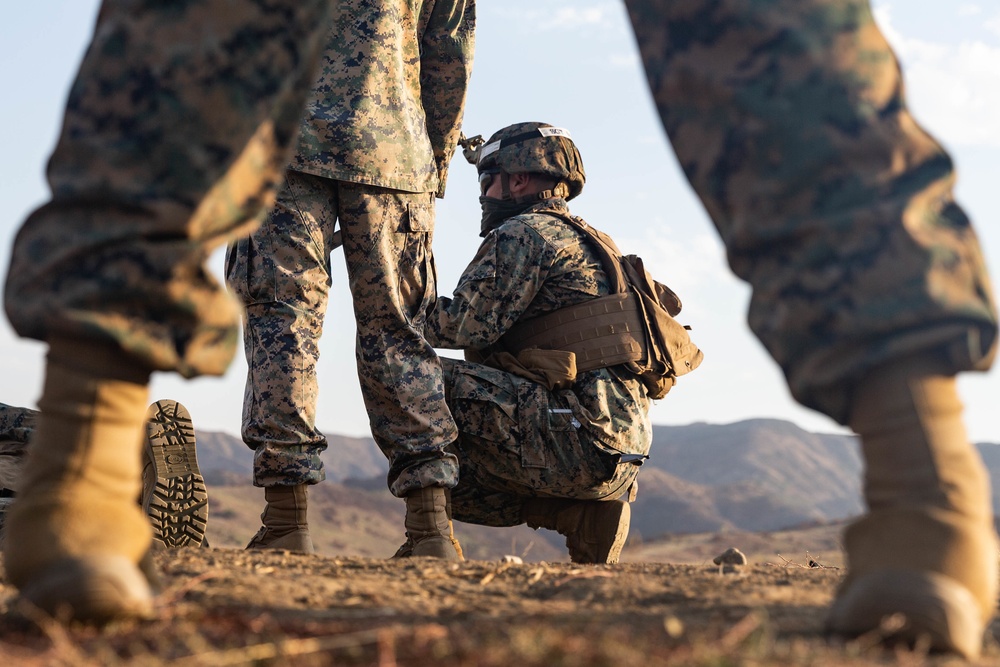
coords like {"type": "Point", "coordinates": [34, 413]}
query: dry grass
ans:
{"type": "Point", "coordinates": [227, 607]}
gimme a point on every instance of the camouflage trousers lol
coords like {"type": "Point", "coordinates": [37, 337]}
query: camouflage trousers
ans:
{"type": "Point", "coordinates": [789, 120]}
{"type": "Point", "coordinates": [16, 427]}
{"type": "Point", "coordinates": [16, 424]}
{"type": "Point", "coordinates": [176, 132]}
{"type": "Point", "coordinates": [517, 440]}
{"type": "Point", "coordinates": [282, 275]}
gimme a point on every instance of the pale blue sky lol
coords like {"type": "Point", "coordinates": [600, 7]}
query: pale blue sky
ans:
{"type": "Point", "coordinates": [571, 63]}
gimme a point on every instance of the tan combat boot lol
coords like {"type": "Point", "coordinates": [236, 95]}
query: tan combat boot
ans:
{"type": "Point", "coordinates": [595, 530]}
{"type": "Point", "coordinates": [75, 537]}
{"type": "Point", "coordinates": [428, 526]}
{"type": "Point", "coordinates": [285, 522]}
{"type": "Point", "coordinates": [174, 495]}
{"type": "Point", "coordinates": [926, 552]}
{"type": "Point", "coordinates": [406, 550]}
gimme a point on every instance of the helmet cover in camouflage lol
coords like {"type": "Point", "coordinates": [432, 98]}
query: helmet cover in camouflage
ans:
{"type": "Point", "coordinates": [535, 148]}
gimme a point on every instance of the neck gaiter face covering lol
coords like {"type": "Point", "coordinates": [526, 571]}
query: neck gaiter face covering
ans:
{"type": "Point", "coordinates": [495, 211]}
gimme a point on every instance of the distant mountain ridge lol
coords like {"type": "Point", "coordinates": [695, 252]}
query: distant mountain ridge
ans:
{"type": "Point", "coordinates": [753, 475]}
{"type": "Point", "coordinates": [758, 474]}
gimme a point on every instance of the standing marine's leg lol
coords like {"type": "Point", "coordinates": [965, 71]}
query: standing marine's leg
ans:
{"type": "Point", "coordinates": [172, 143]}
{"type": "Point", "coordinates": [387, 246]}
{"type": "Point", "coordinates": [281, 273]}
{"type": "Point", "coordinates": [869, 287]}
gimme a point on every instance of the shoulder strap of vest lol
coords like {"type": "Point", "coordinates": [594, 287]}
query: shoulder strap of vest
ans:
{"type": "Point", "coordinates": [633, 326]}
{"type": "Point", "coordinates": [605, 246]}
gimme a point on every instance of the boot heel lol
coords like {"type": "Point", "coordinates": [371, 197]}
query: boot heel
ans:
{"type": "Point", "coordinates": [929, 607]}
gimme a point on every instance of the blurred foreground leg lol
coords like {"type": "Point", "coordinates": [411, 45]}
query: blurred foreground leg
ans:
{"type": "Point", "coordinates": [75, 536]}
{"type": "Point", "coordinates": [926, 552]}
{"type": "Point", "coordinates": [790, 121]}
{"type": "Point", "coordinates": [176, 131]}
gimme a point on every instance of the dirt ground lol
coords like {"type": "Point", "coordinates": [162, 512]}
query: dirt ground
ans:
{"type": "Point", "coordinates": [231, 607]}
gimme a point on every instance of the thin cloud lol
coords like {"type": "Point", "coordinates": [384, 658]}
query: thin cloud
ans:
{"type": "Point", "coordinates": [574, 16]}
{"type": "Point", "coordinates": [993, 25]}
{"type": "Point", "coordinates": [969, 9]}
{"type": "Point", "coordinates": [687, 262]}
{"type": "Point", "coordinates": [953, 87]}
{"type": "Point", "coordinates": [625, 60]}
{"type": "Point", "coordinates": [565, 17]}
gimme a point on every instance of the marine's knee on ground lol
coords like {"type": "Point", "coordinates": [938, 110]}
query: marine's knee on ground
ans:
{"type": "Point", "coordinates": [595, 530]}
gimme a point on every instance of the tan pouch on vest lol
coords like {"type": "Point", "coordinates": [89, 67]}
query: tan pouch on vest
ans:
{"type": "Point", "coordinates": [553, 369]}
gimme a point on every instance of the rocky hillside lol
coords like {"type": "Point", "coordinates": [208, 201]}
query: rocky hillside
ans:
{"type": "Point", "coordinates": [754, 475]}
{"type": "Point", "coordinates": [760, 474]}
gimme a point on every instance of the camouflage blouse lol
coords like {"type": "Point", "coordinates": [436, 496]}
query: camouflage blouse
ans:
{"type": "Point", "coordinates": [532, 264]}
{"type": "Point", "coordinates": [387, 107]}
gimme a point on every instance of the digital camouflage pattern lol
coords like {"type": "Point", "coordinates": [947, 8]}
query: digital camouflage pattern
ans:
{"type": "Point", "coordinates": [517, 439]}
{"type": "Point", "coordinates": [282, 275]}
{"type": "Point", "coordinates": [387, 107]}
{"type": "Point", "coordinates": [787, 116]}
{"type": "Point", "coordinates": [16, 426]}
{"type": "Point", "coordinates": [555, 156]}
{"type": "Point", "coordinates": [381, 126]}
{"type": "Point", "coordinates": [176, 131]}
{"type": "Point", "coordinates": [789, 120]}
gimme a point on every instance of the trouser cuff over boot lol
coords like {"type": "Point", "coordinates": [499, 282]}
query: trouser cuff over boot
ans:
{"type": "Point", "coordinates": [428, 527]}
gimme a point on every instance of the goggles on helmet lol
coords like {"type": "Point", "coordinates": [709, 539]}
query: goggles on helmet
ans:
{"type": "Point", "coordinates": [486, 179]}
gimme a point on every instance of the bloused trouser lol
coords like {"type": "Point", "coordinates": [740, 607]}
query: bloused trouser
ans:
{"type": "Point", "coordinates": [16, 424]}
{"type": "Point", "coordinates": [282, 274]}
{"type": "Point", "coordinates": [518, 441]}
{"type": "Point", "coordinates": [789, 121]}
{"type": "Point", "coordinates": [16, 427]}
{"type": "Point", "coordinates": [173, 143]}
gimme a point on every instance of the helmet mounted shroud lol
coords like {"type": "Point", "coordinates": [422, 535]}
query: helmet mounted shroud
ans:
{"type": "Point", "coordinates": [533, 148]}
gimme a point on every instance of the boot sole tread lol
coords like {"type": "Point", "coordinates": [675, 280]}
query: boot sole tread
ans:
{"type": "Point", "coordinates": [177, 504]}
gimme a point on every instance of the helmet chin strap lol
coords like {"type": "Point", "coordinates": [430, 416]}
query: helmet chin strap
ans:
{"type": "Point", "coordinates": [560, 190]}
{"type": "Point", "coordinates": [505, 192]}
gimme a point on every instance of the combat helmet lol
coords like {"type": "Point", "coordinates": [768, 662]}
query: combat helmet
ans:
{"type": "Point", "coordinates": [534, 148]}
